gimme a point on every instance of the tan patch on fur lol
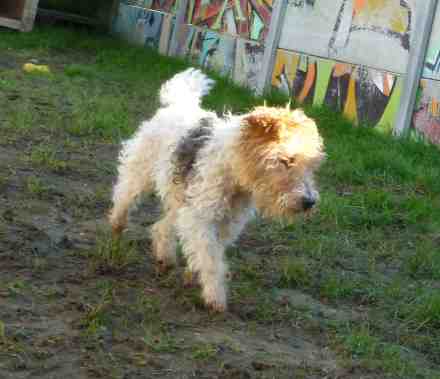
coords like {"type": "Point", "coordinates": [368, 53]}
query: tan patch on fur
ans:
{"type": "Point", "coordinates": [265, 124]}
{"type": "Point", "coordinates": [270, 116]}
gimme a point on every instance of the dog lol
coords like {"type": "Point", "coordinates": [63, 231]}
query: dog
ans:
{"type": "Point", "coordinates": [213, 174]}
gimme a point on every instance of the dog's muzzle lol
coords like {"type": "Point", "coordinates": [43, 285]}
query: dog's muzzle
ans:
{"type": "Point", "coordinates": [308, 203]}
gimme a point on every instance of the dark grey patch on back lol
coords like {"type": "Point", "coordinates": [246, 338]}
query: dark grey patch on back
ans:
{"type": "Point", "coordinates": [185, 155]}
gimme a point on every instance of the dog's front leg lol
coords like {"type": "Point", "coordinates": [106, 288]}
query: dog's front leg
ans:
{"type": "Point", "coordinates": [204, 252]}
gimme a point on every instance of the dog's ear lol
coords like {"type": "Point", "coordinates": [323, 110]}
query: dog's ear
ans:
{"type": "Point", "coordinates": [269, 123]}
{"type": "Point", "coordinates": [263, 123]}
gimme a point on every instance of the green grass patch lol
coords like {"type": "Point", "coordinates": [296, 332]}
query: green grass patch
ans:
{"type": "Point", "coordinates": [36, 187]}
{"type": "Point", "coordinates": [204, 352]}
{"type": "Point", "coordinates": [373, 354]}
{"type": "Point", "coordinates": [294, 272]}
{"type": "Point", "coordinates": [46, 156]}
{"type": "Point", "coordinates": [111, 254]}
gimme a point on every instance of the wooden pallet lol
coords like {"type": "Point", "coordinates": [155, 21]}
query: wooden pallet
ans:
{"type": "Point", "coordinates": [18, 14]}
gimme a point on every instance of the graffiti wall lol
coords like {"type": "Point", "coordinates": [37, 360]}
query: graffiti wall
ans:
{"type": "Point", "coordinates": [234, 57]}
{"type": "Point", "coordinates": [248, 19]}
{"type": "Point", "coordinates": [363, 94]}
{"type": "Point", "coordinates": [227, 36]}
{"type": "Point", "coordinates": [374, 33]}
{"type": "Point", "coordinates": [144, 27]}
{"type": "Point", "coordinates": [426, 120]}
{"type": "Point", "coordinates": [351, 55]}
{"type": "Point", "coordinates": [432, 62]}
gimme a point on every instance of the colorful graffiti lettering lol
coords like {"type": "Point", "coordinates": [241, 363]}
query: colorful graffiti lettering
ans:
{"type": "Point", "coordinates": [366, 96]}
{"type": "Point", "coordinates": [245, 18]}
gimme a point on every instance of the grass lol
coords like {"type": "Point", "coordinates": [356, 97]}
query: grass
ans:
{"type": "Point", "coordinates": [2, 332]}
{"type": "Point", "coordinates": [111, 255]}
{"type": "Point", "coordinates": [36, 187]}
{"type": "Point", "coordinates": [372, 249]}
{"type": "Point", "coordinates": [97, 318]}
{"type": "Point", "coordinates": [294, 272]}
{"type": "Point", "coordinates": [45, 156]}
{"type": "Point", "coordinates": [373, 354]}
{"type": "Point", "coordinates": [204, 351]}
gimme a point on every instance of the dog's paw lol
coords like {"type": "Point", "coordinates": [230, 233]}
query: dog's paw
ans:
{"type": "Point", "coordinates": [216, 307]}
{"type": "Point", "coordinates": [117, 230]}
{"type": "Point", "coordinates": [190, 279]}
{"type": "Point", "coordinates": [215, 299]}
{"type": "Point", "coordinates": [163, 266]}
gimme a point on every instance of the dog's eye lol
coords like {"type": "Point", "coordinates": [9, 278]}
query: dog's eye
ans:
{"type": "Point", "coordinates": [287, 162]}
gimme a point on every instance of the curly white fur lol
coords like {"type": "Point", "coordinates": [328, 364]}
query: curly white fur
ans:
{"type": "Point", "coordinates": [208, 211]}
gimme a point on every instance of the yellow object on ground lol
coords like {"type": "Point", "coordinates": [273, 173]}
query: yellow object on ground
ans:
{"type": "Point", "coordinates": [30, 67]}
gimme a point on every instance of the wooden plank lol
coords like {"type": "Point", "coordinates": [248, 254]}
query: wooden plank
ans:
{"type": "Point", "coordinates": [10, 23]}
{"type": "Point", "coordinates": [18, 14]}
{"type": "Point", "coordinates": [12, 9]}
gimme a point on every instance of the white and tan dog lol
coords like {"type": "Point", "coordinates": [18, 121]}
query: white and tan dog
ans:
{"type": "Point", "coordinates": [212, 174]}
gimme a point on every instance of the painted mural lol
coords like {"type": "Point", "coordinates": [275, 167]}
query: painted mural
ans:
{"type": "Point", "coordinates": [239, 59]}
{"type": "Point", "coordinates": [426, 118]}
{"type": "Point", "coordinates": [248, 63]}
{"type": "Point", "coordinates": [169, 6]}
{"type": "Point", "coordinates": [207, 49]}
{"type": "Point", "coordinates": [248, 19]}
{"type": "Point", "coordinates": [363, 94]}
{"type": "Point", "coordinates": [368, 39]}
{"type": "Point", "coordinates": [144, 27]}
{"type": "Point", "coordinates": [374, 33]}
{"type": "Point", "coordinates": [432, 62]}
{"type": "Point", "coordinates": [426, 121]}
{"type": "Point", "coordinates": [234, 57]}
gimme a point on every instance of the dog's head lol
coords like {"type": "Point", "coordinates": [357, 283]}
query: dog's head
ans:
{"type": "Point", "coordinates": [279, 151]}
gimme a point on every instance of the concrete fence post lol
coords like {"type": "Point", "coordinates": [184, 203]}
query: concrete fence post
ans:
{"type": "Point", "coordinates": [271, 44]}
{"type": "Point", "coordinates": [419, 46]}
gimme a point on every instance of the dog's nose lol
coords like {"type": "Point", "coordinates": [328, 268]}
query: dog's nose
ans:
{"type": "Point", "coordinates": [308, 203]}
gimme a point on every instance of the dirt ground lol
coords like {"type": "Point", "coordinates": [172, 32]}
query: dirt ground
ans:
{"type": "Point", "coordinates": [68, 311]}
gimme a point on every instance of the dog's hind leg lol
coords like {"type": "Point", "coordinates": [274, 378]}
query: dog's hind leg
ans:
{"type": "Point", "coordinates": [125, 192]}
{"type": "Point", "coordinates": [165, 241]}
{"type": "Point", "coordinates": [135, 177]}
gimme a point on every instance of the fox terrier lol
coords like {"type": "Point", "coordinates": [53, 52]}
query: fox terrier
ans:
{"type": "Point", "coordinates": [212, 174]}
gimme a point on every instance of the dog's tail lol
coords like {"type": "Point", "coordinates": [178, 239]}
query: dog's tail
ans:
{"type": "Point", "coordinates": [187, 88]}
